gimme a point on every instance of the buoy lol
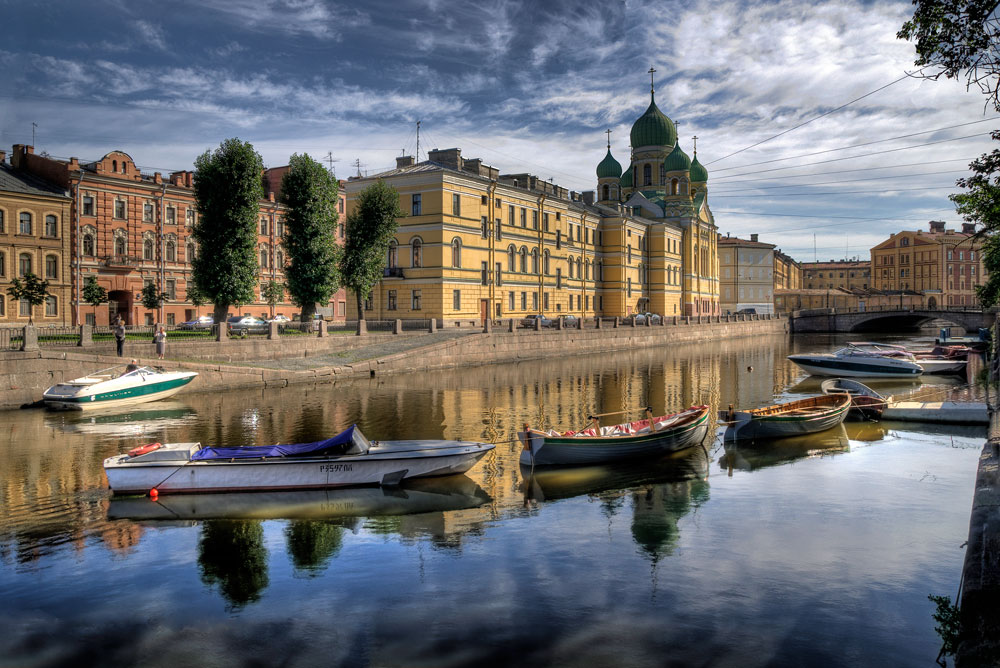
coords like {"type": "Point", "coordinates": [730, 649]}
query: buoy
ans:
{"type": "Point", "coordinates": [153, 494]}
{"type": "Point", "coordinates": [143, 449]}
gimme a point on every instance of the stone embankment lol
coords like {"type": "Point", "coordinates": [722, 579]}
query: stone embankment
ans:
{"type": "Point", "coordinates": [25, 374]}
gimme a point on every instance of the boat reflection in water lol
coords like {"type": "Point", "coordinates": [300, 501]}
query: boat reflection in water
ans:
{"type": "Point", "coordinates": [753, 455]}
{"type": "Point", "coordinates": [421, 495]}
{"type": "Point", "coordinates": [123, 422]}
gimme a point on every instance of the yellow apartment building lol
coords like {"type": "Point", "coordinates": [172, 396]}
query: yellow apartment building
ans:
{"type": "Point", "coordinates": [747, 274]}
{"type": "Point", "coordinates": [787, 272]}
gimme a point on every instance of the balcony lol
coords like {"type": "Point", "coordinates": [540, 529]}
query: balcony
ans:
{"type": "Point", "coordinates": [393, 272]}
{"type": "Point", "coordinates": [120, 261]}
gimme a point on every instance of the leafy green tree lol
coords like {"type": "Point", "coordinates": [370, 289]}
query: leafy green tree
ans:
{"type": "Point", "coordinates": [152, 298]}
{"type": "Point", "coordinates": [952, 38]}
{"type": "Point", "coordinates": [31, 289]}
{"type": "Point", "coordinates": [370, 227]}
{"type": "Point", "coordinates": [310, 192]}
{"type": "Point", "coordinates": [272, 292]}
{"type": "Point", "coordinates": [196, 297]}
{"type": "Point", "coordinates": [94, 294]}
{"type": "Point", "coordinates": [228, 190]}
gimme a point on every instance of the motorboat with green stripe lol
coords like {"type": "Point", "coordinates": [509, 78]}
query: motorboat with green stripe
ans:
{"type": "Point", "coordinates": [117, 386]}
{"type": "Point", "coordinates": [347, 459]}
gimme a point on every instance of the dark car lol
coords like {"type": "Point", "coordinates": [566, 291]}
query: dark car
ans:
{"type": "Point", "coordinates": [747, 311]}
{"type": "Point", "coordinates": [529, 321]}
{"type": "Point", "coordinates": [202, 322]}
{"type": "Point", "coordinates": [246, 324]}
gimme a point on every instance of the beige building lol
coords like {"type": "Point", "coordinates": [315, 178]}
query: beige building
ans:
{"type": "Point", "coordinates": [746, 274]}
{"type": "Point", "coordinates": [944, 264]}
{"type": "Point", "coordinates": [846, 274]}
{"type": "Point", "coordinates": [34, 237]}
{"type": "Point", "coordinates": [787, 272]}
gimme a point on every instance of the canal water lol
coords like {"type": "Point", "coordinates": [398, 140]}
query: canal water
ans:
{"type": "Point", "coordinates": [817, 551]}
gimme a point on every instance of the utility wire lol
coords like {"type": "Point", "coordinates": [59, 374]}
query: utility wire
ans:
{"type": "Point", "coordinates": [847, 171]}
{"type": "Point", "coordinates": [839, 192]}
{"type": "Point", "coordinates": [827, 183]}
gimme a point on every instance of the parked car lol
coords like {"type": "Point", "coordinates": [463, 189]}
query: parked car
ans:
{"type": "Point", "coordinates": [246, 324]}
{"type": "Point", "coordinates": [569, 321]}
{"type": "Point", "coordinates": [529, 322]}
{"type": "Point", "coordinates": [202, 322]}
{"type": "Point", "coordinates": [280, 318]}
{"type": "Point", "coordinates": [747, 311]}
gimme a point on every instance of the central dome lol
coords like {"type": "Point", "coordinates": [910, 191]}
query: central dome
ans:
{"type": "Point", "coordinates": [653, 128]}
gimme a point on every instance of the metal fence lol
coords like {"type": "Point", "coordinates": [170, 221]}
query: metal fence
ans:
{"type": "Point", "coordinates": [416, 325]}
{"type": "Point", "coordinates": [380, 325]}
{"type": "Point", "coordinates": [58, 336]}
{"type": "Point", "coordinates": [11, 338]}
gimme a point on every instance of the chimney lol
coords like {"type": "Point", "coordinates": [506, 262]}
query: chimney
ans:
{"type": "Point", "coordinates": [17, 157]}
{"type": "Point", "coordinates": [189, 179]}
{"type": "Point", "coordinates": [404, 161]}
{"type": "Point", "coordinates": [30, 150]}
{"type": "Point", "coordinates": [74, 163]}
{"type": "Point", "coordinates": [968, 228]}
{"type": "Point", "coordinates": [157, 178]}
{"type": "Point", "coordinates": [449, 157]}
{"type": "Point", "coordinates": [270, 196]}
{"type": "Point", "coordinates": [753, 237]}
{"type": "Point", "coordinates": [936, 226]}
{"type": "Point", "coordinates": [587, 196]}
{"type": "Point", "coordinates": [3, 157]}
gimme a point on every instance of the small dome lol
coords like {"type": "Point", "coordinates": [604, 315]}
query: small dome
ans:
{"type": "Point", "coordinates": [677, 161]}
{"type": "Point", "coordinates": [626, 180]}
{"type": "Point", "coordinates": [653, 128]}
{"type": "Point", "coordinates": [609, 167]}
{"type": "Point", "coordinates": [698, 172]}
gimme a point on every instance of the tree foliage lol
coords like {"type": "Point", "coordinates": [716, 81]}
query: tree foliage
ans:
{"type": "Point", "coordinates": [31, 289]}
{"type": "Point", "coordinates": [310, 192]}
{"type": "Point", "coordinates": [272, 292]}
{"type": "Point", "coordinates": [228, 190]}
{"type": "Point", "coordinates": [956, 37]}
{"type": "Point", "coordinates": [152, 298]}
{"type": "Point", "coordinates": [93, 293]}
{"type": "Point", "coordinates": [370, 227]}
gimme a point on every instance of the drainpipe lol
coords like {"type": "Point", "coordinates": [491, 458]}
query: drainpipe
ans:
{"type": "Point", "coordinates": [77, 255]}
{"type": "Point", "coordinates": [541, 253]}
{"type": "Point", "coordinates": [491, 263]}
{"type": "Point", "coordinates": [163, 247]}
{"type": "Point", "coordinates": [274, 246]}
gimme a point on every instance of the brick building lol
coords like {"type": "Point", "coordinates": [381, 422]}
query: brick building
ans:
{"type": "Point", "coordinates": [845, 274]}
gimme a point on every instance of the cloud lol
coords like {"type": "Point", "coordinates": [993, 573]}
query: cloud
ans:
{"type": "Point", "coordinates": [150, 34]}
{"type": "Point", "coordinates": [316, 18]}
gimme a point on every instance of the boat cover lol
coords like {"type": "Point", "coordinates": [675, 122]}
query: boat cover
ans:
{"type": "Point", "coordinates": [348, 442]}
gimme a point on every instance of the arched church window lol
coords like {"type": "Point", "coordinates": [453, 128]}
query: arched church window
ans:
{"type": "Point", "coordinates": [674, 187]}
{"type": "Point", "coordinates": [647, 175]}
{"type": "Point", "coordinates": [607, 193]}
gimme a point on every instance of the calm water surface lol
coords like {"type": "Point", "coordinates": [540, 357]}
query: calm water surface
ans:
{"type": "Point", "coordinates": [817, 551]}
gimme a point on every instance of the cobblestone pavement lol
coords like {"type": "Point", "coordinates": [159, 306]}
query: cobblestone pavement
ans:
{"type": "Point", "coordinates": [373, 351]}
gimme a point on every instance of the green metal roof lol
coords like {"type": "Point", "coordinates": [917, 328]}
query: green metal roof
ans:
{"type": "Point", "coordinates": [653, 128]}
{"type": "Point", "coordinates": [698, 172]}
{"type": "Point", "coordinates": [626, 179]}
{"type": "Point", "coordinates": [677, 161]}
{"type": "Point", "coordinates": [609, 167]}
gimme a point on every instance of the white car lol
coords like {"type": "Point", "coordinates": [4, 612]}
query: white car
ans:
{"type": "Point", "coordinates": [280, 318]}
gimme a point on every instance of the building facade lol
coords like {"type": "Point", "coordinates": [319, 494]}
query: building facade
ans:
{"type": "Point", "coordinates": [127, 229]}
{"type": "Point", "coordinates": [34, 239]}
{"type": "Point", "coordinates": [746, 274]}
{"type": "Point", "coordinates": [944, 264]}
{"type": "Point", "coordinates": [787, 272]}
{"type": "Point", "coordinates": [846, 274]}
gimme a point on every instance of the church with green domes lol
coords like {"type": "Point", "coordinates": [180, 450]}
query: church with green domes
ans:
{"type": "Point", "coordinates": [668, 190]}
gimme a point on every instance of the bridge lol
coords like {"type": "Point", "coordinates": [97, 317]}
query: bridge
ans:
{"type": "Point", "coordinates": [888, 319]}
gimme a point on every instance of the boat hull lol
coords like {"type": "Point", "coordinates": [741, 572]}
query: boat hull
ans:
{"type": "Point", "coordinates": [546, 450]}
{"type": "Point", "coordinates": [831, 366]}
{"type": "Point", "coordinates": [94, 396]}
{"type": "Point", "coordinates": [385, 464]}
{"type": "Point", "coordinates": [753, 425]}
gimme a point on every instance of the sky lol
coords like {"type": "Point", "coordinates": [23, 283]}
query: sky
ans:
{"type": "Point", "coordinates": [813, 133]}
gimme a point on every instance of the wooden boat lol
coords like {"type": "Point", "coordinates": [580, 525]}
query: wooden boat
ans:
{"type": "Point", "coordinates": [596, 444]}
{"type": "Point", "coordinates": [116, 386]}
{"type": "Point", "coordinates": [866, 403]}
{"type": "Point", "coordinates": [347, 459]}
{"type": "Point", "coordinates": [803, 416]}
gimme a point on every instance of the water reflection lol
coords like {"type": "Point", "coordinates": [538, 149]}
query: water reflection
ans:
{"type": "Point", "coordinates": [753, 455]}
{"type": "Point", "coordinates": [128, 422]}
{"type": "Point", "coordinates": [232, 556]}
{"type": "Point", "coordinates": [312, 544]}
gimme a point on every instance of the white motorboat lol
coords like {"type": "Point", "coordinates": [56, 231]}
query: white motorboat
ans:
{"type": "Point", "coordinates": [347, 459]}
{"type": "Point", "coordinates": [857, 362]}
{"type": "Point", "coordinates": [929, 361]}
{"type": "Point", "coordinates": [117, 386]}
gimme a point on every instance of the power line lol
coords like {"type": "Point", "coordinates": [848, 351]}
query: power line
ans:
{"type": "Point", "coordinates": [827, 183]}
{"type": "Point", "coordinates": [838, 192]}
{"type": "Point", "coordinates": [848, 171]}
{"type": "Point", "coordinates": [816, 118]}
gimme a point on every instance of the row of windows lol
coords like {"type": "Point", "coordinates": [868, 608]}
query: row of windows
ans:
{"type": "Point", "coordinates": [24, 307]}
{"type": "Point", "coordinates": [25, 265]}
{"type": "Point", "coordinates": [26, 224]}
{"type": "Point", "coordinates": [120, 211]}
{"type": "Point", "coordinates": [89, 247]}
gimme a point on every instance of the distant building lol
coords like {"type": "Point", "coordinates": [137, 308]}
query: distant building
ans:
{"type": "Point", "coordinates": [944, 264]}
{"type": "Point", "coordinates": [787, 272]}
{"type": "Point", "coordinates": [746, 274]}
{"type": "Point", "coordinates": [846, 274]}
{"type": "Point", "coordinates": [34, 239]}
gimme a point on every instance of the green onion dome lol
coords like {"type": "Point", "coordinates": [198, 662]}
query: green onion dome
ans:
{"type": "Point", "coordinates": [653, 128]}
{"type": "Point", "coordinates": [698, 172]}
{"type": "Point", "coordinates": [609, 167]}
{"type": "Point", "coordinates": [677, 161]}
{"type": "Point", "coordinates": [626, 180]}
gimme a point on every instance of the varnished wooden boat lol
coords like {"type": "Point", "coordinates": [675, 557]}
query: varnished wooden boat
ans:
{"type": "Point", "coordinates": [866, 403]}
{"type": "Point", "coordinates": [803, 416]}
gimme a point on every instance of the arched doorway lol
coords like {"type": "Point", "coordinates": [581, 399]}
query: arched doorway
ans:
{"type": "Point", "coordinates": [120, 304]}
{"type": "Point", "coordinates": [931, 302]}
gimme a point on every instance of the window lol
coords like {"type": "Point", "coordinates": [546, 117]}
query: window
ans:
{"type": "Point", "coordinates": [171, 289]}
{"type": "Point", "coordinates": [486, 227]}
{"type": "Point", "coordinates": [368, 303]}
{"type": "Point", "coordinates": [120, 208]}
{"type": "Point", "coordinates": [545, 221]}
{"type": "Point", "coordinates": [485, 278]}
{"type": "Point", "coordinates": [3, 264]}
{"type": "Point", "coordinates": [279, 260]}
{"type": "Point", "coordinates": [416, 246]}
{"type": "Point", "coordinates": [558, 278]}
{"type": "Point", "coordinates": [545, 263]}
{"type": "Point", "coordinates": [558, 239]}
{"type": "Point", "coordinates": [647, 175]}
{"type": "Point", "coordinates": [147, 249]}
{"type": "Point", "coordinates": [961, 255]}
{"type": "Point", "coordinates": [511, 214]}
{"type": "Point", "coordinates": [534, 220]}
{"type": "Point", "coordinates": [393, 254]}
{"type": "Point", "coordinates": [24, 308]}
{"type": "Point", "coordinates": [606, 192]}
{"type": "Point", "coordinates": [498, 230]}
{"type": "Point", "coordinates": [510, 301]}
{"type": "Point", "coordinates": [171, 251]}
{"type": "Point", "coordinates": [24, 264]}
{"type": "Point", "coordinates": [571, 266]}
{"type": "Point", "coordinates": [88, 205]}
{"type": "Point", "coordinates": [263, 257]}
{"type": "Point", "coordinates": [534, 301]}
{"type": "Point", "coordinates": [263, 225]}
{"type": "Point", "coordinates": [51, 226]}
{"type": "Point", "coordinates": [189, 217]}
{"type": "Point", "coordinates": [628, 289]}
{"type": "Point", "coordinates": [511, 259]}
{"type": "Point", "coordinates": [51, 266]}
{"type": "Point", "coordinates": [499, 273]}
{"type": "Point", "coordinates": [279, 227]}
{"type": "Point", "coordinates": [88, 245]}
{"type": "Point", "coordinates": [524, 217]}
{"type": "Point", "coordinates": [456, 252]}
{"type": "Point", "coordinates": [524, 301]}
{"type": "Point", "coordinates": [484, 200]}
{"type": "Point", "coordinates": [546, 301]}
{"type": "Point", "coordinates": [192, 252]}
{"type": "Point", "coordinates": [147, 212]}
{"type": "Point", "coordinates": [534, 260]}
{"type": "Point", "coordinates": [25, 227]}
{"type": "Point", "coordinates": [340, 204]}
{"type": "Point", "coordinates": [456, 205]}
{"type": "Point", "coordinates": [456, 297]}
{"type": "Point", "coordinates": [524, 260]}
{"type": "Point", "coordinates": [171, 319]}
{"type": "Point", "coordinates": [415, 207]}
{"type": "Point", "coordinates": [392, 300]}
{"type": "Point", "coordinates": [949, 255]}
{"type": "Point", "coordinates": [171, 215]}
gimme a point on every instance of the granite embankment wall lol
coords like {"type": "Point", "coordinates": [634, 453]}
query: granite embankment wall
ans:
{"type": "Point", "coordinates": [24, 375]}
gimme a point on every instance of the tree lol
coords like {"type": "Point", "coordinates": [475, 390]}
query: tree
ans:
{"type": "Point", "coordinates": [310, 192]}
{"type": "Point", "coordinates": [30, 289]}
{"type": "Point", "coordinates": [370, 227]}
{"type": "Point", "coordinates": [953, 37]}
{"type": "Point", "coordinates": [195, 296]}
{"type": "Point", "coordinates": [94, 294]}
{"type": "Point", "coordinates": [272, 293]}
{"type": "Point", "coordinates": [228, 190]}
{"type": "Point", "coordinates": [152, 298]}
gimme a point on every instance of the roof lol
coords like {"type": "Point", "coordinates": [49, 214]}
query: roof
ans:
{"type": "Point", "coordinates": [698, 172]}
{"type": "Point", "coordinates": [653, 128]}
{"type": "Point", "coordinates": [677, 161]}
{"type": "Point", "coordinates": [736, 241]}
{"type": "Point", "coordinates": [609, 167]}
{"type": "Point", "coordinates": [18, 181]}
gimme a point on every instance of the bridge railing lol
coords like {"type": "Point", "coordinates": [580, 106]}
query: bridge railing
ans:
{"type": "Point", "coordinates": [801, 313]}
